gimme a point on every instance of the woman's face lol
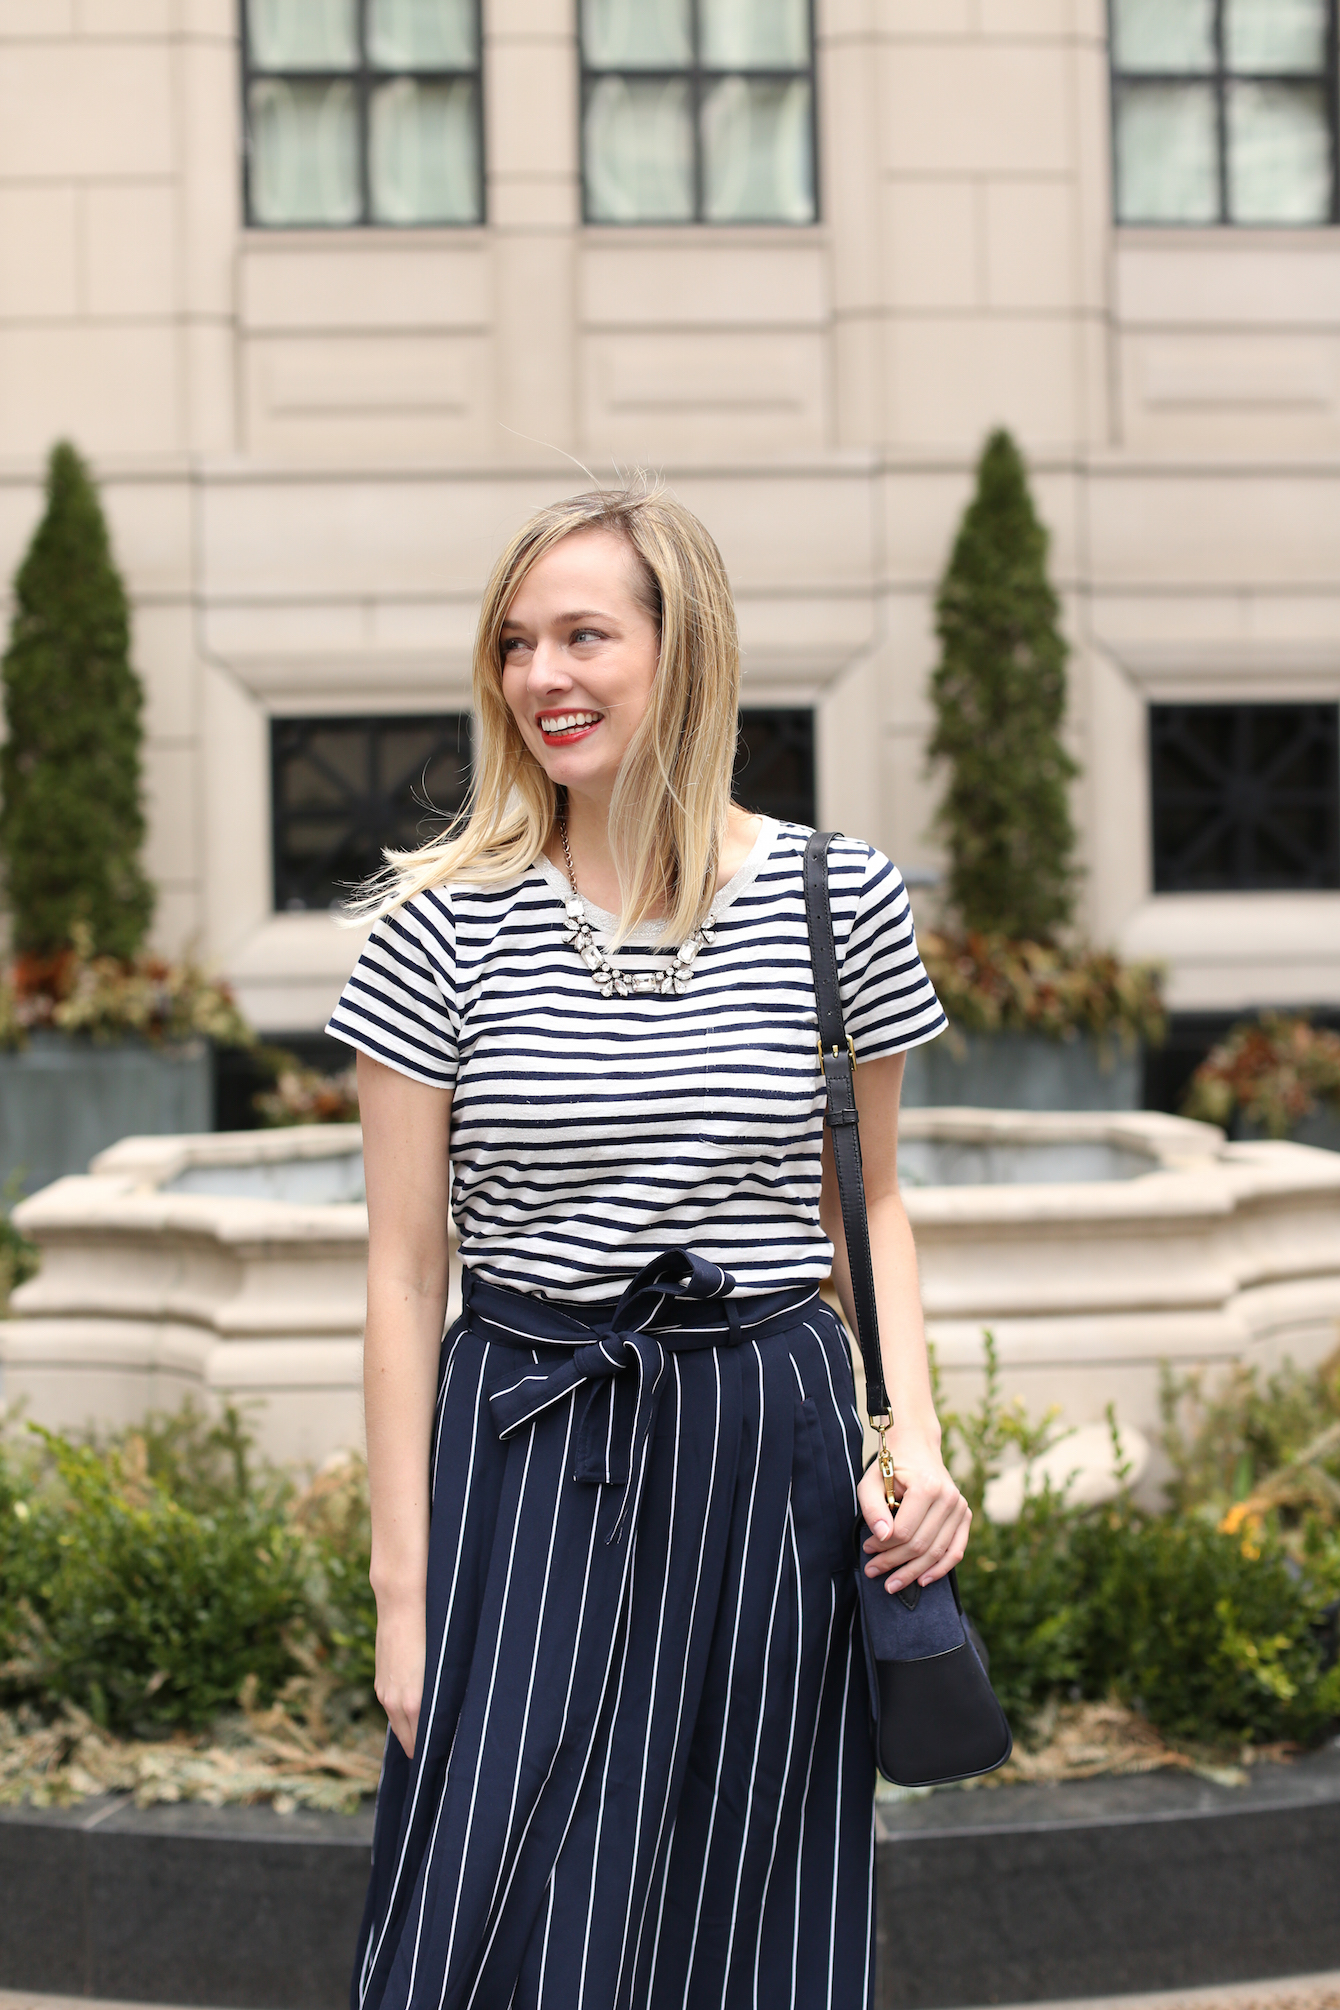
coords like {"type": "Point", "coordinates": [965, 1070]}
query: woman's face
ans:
{"type": "Point", "coordinates": [579, 653]}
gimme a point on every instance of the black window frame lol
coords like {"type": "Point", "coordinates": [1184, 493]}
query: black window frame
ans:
{"type": "Point", "coordinates": [794, 724]}
{"type": "Point", "coordinates": [363, 78]}
{"type": "Point", "coordinates": [283, 727]}
{"type": "Point", "coordinates": [1174, 855]}
{"type": "Point", "coordinates": [699, 76]}
{"type": "Point", "coordinates": [1219, 78]}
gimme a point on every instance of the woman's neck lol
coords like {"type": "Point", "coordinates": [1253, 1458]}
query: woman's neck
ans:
{"type": "Point", "coordinates": [593, 860]}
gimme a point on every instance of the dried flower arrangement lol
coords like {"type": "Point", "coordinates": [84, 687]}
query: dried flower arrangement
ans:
{"type": "Point", "coordinates": [107, 998]}
{"type": "Point", "coordinates": [988, 984]}
{"type": "Point", "coordinates": [1274, 1071]}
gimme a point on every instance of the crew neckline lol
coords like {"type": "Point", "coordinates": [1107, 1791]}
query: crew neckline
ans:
{"type": "Point", "coordinates": [651, 934]}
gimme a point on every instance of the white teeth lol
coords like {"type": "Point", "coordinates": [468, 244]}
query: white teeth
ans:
{"type": "Point", "coordinates": [569, 721]}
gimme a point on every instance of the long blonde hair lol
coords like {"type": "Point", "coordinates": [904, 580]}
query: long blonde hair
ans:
{"type": "Point", "coordinates": [672, 797]}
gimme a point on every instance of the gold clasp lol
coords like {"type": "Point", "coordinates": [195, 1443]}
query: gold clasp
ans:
{"type": "Point", "coordinates": [886, 1468]}
{"type": "Point", "coordinates": [836, 1049]}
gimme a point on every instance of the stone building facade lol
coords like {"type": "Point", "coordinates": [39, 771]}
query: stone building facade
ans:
{"type": "Point", "coordinates": [319, 389]}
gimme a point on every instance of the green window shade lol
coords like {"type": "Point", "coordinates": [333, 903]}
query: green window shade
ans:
{"type": "Point", "coordinates": [422, 34]}
{"type": "Point", "coordinates": [1279, 154]}
{"type": "Point", "coordinates": [755, 34]}
{"type": "Point", "coordinates": [303, 34]}
{"type": "Point", "coordinates": [1287, 36]}
{"type": "Point", "coordinates": [422, 152]}
{"type": "Point", "coordinates": [1163, 35]}
{"type": "Point", "coordinates": [362, 112]}
{"type": "Point", "coordinates": [304, 153]}
{"type": "Point", "coordinates": [637, 34]}
{"type": "Point", "coordinates": [756, 152]}
{"type": "Point", "coordinates": [639, 151]}
{"type": "Point", "coordinates": [1167, 154]}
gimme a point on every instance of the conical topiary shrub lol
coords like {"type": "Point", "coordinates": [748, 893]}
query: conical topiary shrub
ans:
{"type": "Point", "coordinates": [999, 694]}
{"type": "Point", "coordinates": [72, 821]}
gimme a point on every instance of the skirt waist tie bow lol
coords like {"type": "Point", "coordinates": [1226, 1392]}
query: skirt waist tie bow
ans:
{"type": "Point", "coordinates": [667, 1308]}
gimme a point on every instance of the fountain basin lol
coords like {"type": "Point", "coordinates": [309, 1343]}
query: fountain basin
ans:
{"type": "Point", "coordinates": [228, 1266]}
{"type": "Point", "coordinates": [1215, 1253]}
{"type": "Point", "coordinates": [1094, 1245]}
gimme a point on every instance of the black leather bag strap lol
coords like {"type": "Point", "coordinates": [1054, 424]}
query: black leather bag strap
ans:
{"type": "Point", "coordinates": [838, 1058]}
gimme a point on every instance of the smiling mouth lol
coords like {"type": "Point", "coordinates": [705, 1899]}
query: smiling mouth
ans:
{"type": "Point", "coordinates": [559, 728]}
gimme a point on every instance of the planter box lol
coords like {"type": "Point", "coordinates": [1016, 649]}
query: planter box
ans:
{"type": "Point", "coordinates": [1021, 1071]}
{"type": "Point", "coordinates": [1019, 1895]}
{"type": "Point", "coordinates": [1321, 1129]}
{"type": "Point", "coordinates": [64, 1100]}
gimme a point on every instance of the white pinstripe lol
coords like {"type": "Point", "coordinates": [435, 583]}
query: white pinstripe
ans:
{"type": "Point", "coordinates": [730, 1684]}
{"type": "Point", "coordinates": [664, 1839]}
{"type": "Point", "coordinates": [786, 1770]}
{"type": "Point", "coordinates": [375, 1940]}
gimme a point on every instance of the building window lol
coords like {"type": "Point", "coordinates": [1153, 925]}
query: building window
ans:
{"type": "Point", "coordinates": [698, 111]}
{"type": "Point", "coordinates": [362, 112]}
{"type": "Point", "coordinates": [1246, 797]}
{"type": "Point", "coordinates": [1224, 111]}
{"type": "Point", "coordinates": [343, 788]}
{"type": "Point", "coordinates": [774, 762]}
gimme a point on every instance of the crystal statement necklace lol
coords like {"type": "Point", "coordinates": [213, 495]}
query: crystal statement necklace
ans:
{"type": "Point", "coordinates": [610, 981]}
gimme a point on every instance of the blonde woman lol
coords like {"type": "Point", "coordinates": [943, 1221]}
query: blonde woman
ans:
{"type": "Point", "coordinates": [614, 1508]}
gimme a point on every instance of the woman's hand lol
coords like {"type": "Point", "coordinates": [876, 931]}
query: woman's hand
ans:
{"type": "Point", "coordinates": [398, 1681]}
{"type": "Point", "coordinates": [929, 1534]}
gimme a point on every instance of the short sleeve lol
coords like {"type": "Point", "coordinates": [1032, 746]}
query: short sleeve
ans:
{"type": "Point", "coordinates": [888, 1000]}
{"type": "Point", "coordinates": [400, 1003]}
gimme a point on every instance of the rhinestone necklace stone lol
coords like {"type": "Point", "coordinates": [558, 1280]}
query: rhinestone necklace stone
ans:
{"type": "Point", "coordinates": [609, 979]}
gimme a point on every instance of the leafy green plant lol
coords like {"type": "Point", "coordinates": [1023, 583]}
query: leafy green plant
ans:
{"type": "Point", "coordinates": [72, 821]}
{"type": "Point", "coordinates": [1213, 1628]}
{"type": "Point", "coordinates": [19, 1257]}
{"type": "Point", "coordinates": [978, 1441]}
{"type": "Point", "coordinates": [1214, 1640]}
{"type": "Point", "coordinates": [157, 1579]}
{"type": "Point", "coordinates": [142, 1612]}
{"type": "Point", "coordinates": [1248, 1451]}
{"type": "Point", "coordinates": [999, 696]}
{"type": "Point", "coordinates": [1274, 1071]}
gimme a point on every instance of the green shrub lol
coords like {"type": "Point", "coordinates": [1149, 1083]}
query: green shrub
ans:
{"type": "Point", "coordinates": [1214, 1639]}
{"type": "Point", "coordinates": [1215, 1632]}
{"type": "Point", "coordinates": [72, 821]}
{"type": "Point", "coordinates": [146, 1613]}
{"type": "Point", "coordinates": [999, 695]}
{"type": "Point", "coordinates": [1253, 1451]}
{"type": "Point", "coordinates": [1021, 1585]}
{"type": "Point", "coordinates": [1216, 1642]}
{"type": "Point", "coordinates": [148, 1578]}
{"type": "Point", "coordinates": [19, 1257]}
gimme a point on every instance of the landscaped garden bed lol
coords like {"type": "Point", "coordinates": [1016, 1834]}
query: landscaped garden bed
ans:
{"type": "Point", "coordinates": [181, 1621]}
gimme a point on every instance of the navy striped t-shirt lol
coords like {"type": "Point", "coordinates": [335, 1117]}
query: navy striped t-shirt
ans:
{"type": "Point", "coordinates": [590, 1133]}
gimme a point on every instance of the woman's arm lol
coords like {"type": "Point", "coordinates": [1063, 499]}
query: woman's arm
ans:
{"type": "Point", "coordinates": [406, 1136]}
{"type": "Point", "coordinates": [933, 1517]}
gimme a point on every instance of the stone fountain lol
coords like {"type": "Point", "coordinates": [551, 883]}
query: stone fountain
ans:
{"type": "Point", "coordinates": [1094, 1245]}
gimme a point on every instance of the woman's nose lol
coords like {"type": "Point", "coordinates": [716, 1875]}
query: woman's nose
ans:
{"type": "Point", "coordinates": [547, 670]}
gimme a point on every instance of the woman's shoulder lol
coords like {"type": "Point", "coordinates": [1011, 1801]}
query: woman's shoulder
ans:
{"type": "Point", "coordinates": [852, 863]}
{"type": "Point", "coordinates": [462, 916]}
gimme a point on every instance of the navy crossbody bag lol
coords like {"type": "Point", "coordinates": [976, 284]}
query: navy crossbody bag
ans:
{"type": "Point", "coordinates": [936, 1717]}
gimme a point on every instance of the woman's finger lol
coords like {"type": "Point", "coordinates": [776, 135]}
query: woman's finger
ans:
{"type": "Point", "coordinates": [944, 1553]}
{"type": "Point", "coordinates": [920, 1515]}
{"type": "Point", "coordinates": [875, 1510]}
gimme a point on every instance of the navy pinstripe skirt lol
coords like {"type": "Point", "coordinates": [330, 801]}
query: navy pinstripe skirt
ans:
{"type": "Point", "coordinates": [643, 1774]}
